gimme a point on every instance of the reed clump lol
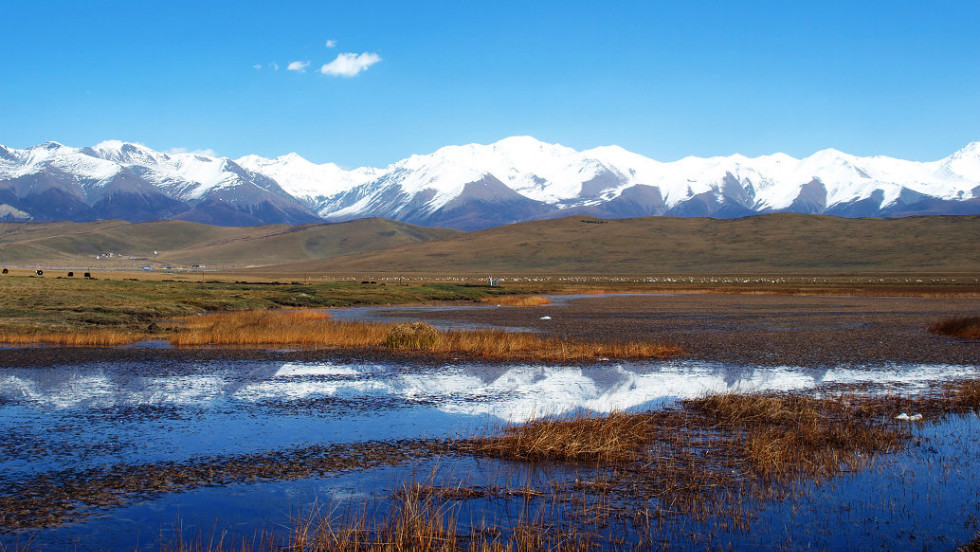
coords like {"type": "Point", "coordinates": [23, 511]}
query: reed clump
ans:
{"type": "Point", "coordinates": [414, 335]}
{"type": "Point", "coordinates": [967, 327]}
{"type": "Point", "coordinates": [610, 439]}
{"type": "Point", "coordinates": [518, 300]}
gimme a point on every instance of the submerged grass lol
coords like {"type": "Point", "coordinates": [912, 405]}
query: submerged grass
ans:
{"type": "Point", "coordinates": [797, 435]}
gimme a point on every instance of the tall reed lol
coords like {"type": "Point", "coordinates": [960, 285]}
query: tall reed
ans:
{"type": "Point", "coordinates": [86, 338]}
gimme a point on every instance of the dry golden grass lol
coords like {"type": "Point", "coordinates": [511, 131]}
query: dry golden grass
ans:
{"type": "Point", "coordinates": [87, 338]}
{"type": "Point", "coordinates": [778, 437]}
{"type": "Point", "coordinates": [315, 329]}
{"type": "Point", "coordinates": [615, 438]}
{"type": "Point", "coordinates": [501, 345]}
{"type": "Point", "coordinates": [275, 328]}
{"type": "Point", "coordinates": [415, 524]}
{"type": "Point", "coordinates": [786, 436]}
{"type": "Point", "coordinates": [968, 327]}
{"type": "Point", "coordinates": [414, 335]}
{"type": "Point", "coordinates": [518, 300]}
{"type": "Point", "coordinates": [419, 523]}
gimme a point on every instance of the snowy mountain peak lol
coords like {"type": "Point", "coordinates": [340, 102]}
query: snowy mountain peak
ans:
{"type": "Point", "coordinates": [478, 185]}
{"type": "Point", "coordinates": [971, 151]}
{"type": "Point", "coordinates": [304, 179]}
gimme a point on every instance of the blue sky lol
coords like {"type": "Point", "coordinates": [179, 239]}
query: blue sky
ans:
{"type": "Point", "coordinates": [664, 79]}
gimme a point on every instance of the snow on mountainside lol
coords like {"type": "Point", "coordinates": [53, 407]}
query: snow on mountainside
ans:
{"type": "Point", "coordinates": [129, 181]}
{"type": "Point", "coordinates": [472, 186]}
{"type": "Point", "coordinates": [611, 181]}
{"type": "Point", "coordinates": [306, 180]}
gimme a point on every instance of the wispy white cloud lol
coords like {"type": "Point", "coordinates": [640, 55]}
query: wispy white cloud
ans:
{"type": "Point", "coordinates": [299, 66]}
{"type": "Point", "coordinates": [331, 43]}
{"type": "Point", "coordinates": [206, 152]}
{"type": "Point", "coordinates": [257, 66]}
{"type": "Point", "coordinates": [349, 65]}
{"type": "Point", "coordinates": [274, 66]}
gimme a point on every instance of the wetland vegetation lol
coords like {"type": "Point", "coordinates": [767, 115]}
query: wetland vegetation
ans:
{"type": "Point", "coordinates": [667, 469]}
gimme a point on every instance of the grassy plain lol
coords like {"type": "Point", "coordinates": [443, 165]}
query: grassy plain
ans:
{"type": "Point", "coordinates": [134, 303]}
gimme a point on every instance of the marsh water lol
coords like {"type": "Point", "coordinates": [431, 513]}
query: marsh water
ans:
{"type": "Point", "coordinates": [60, 419]}
{"type": "Point", "coordinates": [73, 420]}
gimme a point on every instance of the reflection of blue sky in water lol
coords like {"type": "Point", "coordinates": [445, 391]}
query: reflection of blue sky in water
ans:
{"type": "Point", "coordinates": [511, 393]}
{"type": "Point", "coordinates": [106, 413]}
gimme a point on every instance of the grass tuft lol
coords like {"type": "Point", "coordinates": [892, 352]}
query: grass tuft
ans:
{"type": "Point", "coordinates": [614, 438]}
{"type": "Point", "coordinates": [968, 327]}
{"type": "Point", "coordinates": [414, 335]}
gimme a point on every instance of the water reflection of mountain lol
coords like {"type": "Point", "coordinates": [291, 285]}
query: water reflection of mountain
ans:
{"type": "Point", "coordinates": [107, 385]}
{"type": "Point", "coordinates": [502, 391]}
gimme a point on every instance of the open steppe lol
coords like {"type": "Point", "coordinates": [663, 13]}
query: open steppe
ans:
{"type": "Point", "coordinates": [767, 244]}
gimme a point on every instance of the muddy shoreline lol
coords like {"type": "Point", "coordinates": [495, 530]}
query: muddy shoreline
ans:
{"type": "Point", "coordinates": [756, 329]}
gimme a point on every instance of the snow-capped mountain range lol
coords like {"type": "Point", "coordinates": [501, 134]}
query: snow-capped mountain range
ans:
{"type": "Point", "coordinates": [472, 186]}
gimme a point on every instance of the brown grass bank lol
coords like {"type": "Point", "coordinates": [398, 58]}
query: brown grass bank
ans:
{"type": "Point", "coordinates": [315, 329]}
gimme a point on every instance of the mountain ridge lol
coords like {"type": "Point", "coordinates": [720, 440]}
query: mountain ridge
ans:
{"type": "Point", "coordinates": [471, 186]}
